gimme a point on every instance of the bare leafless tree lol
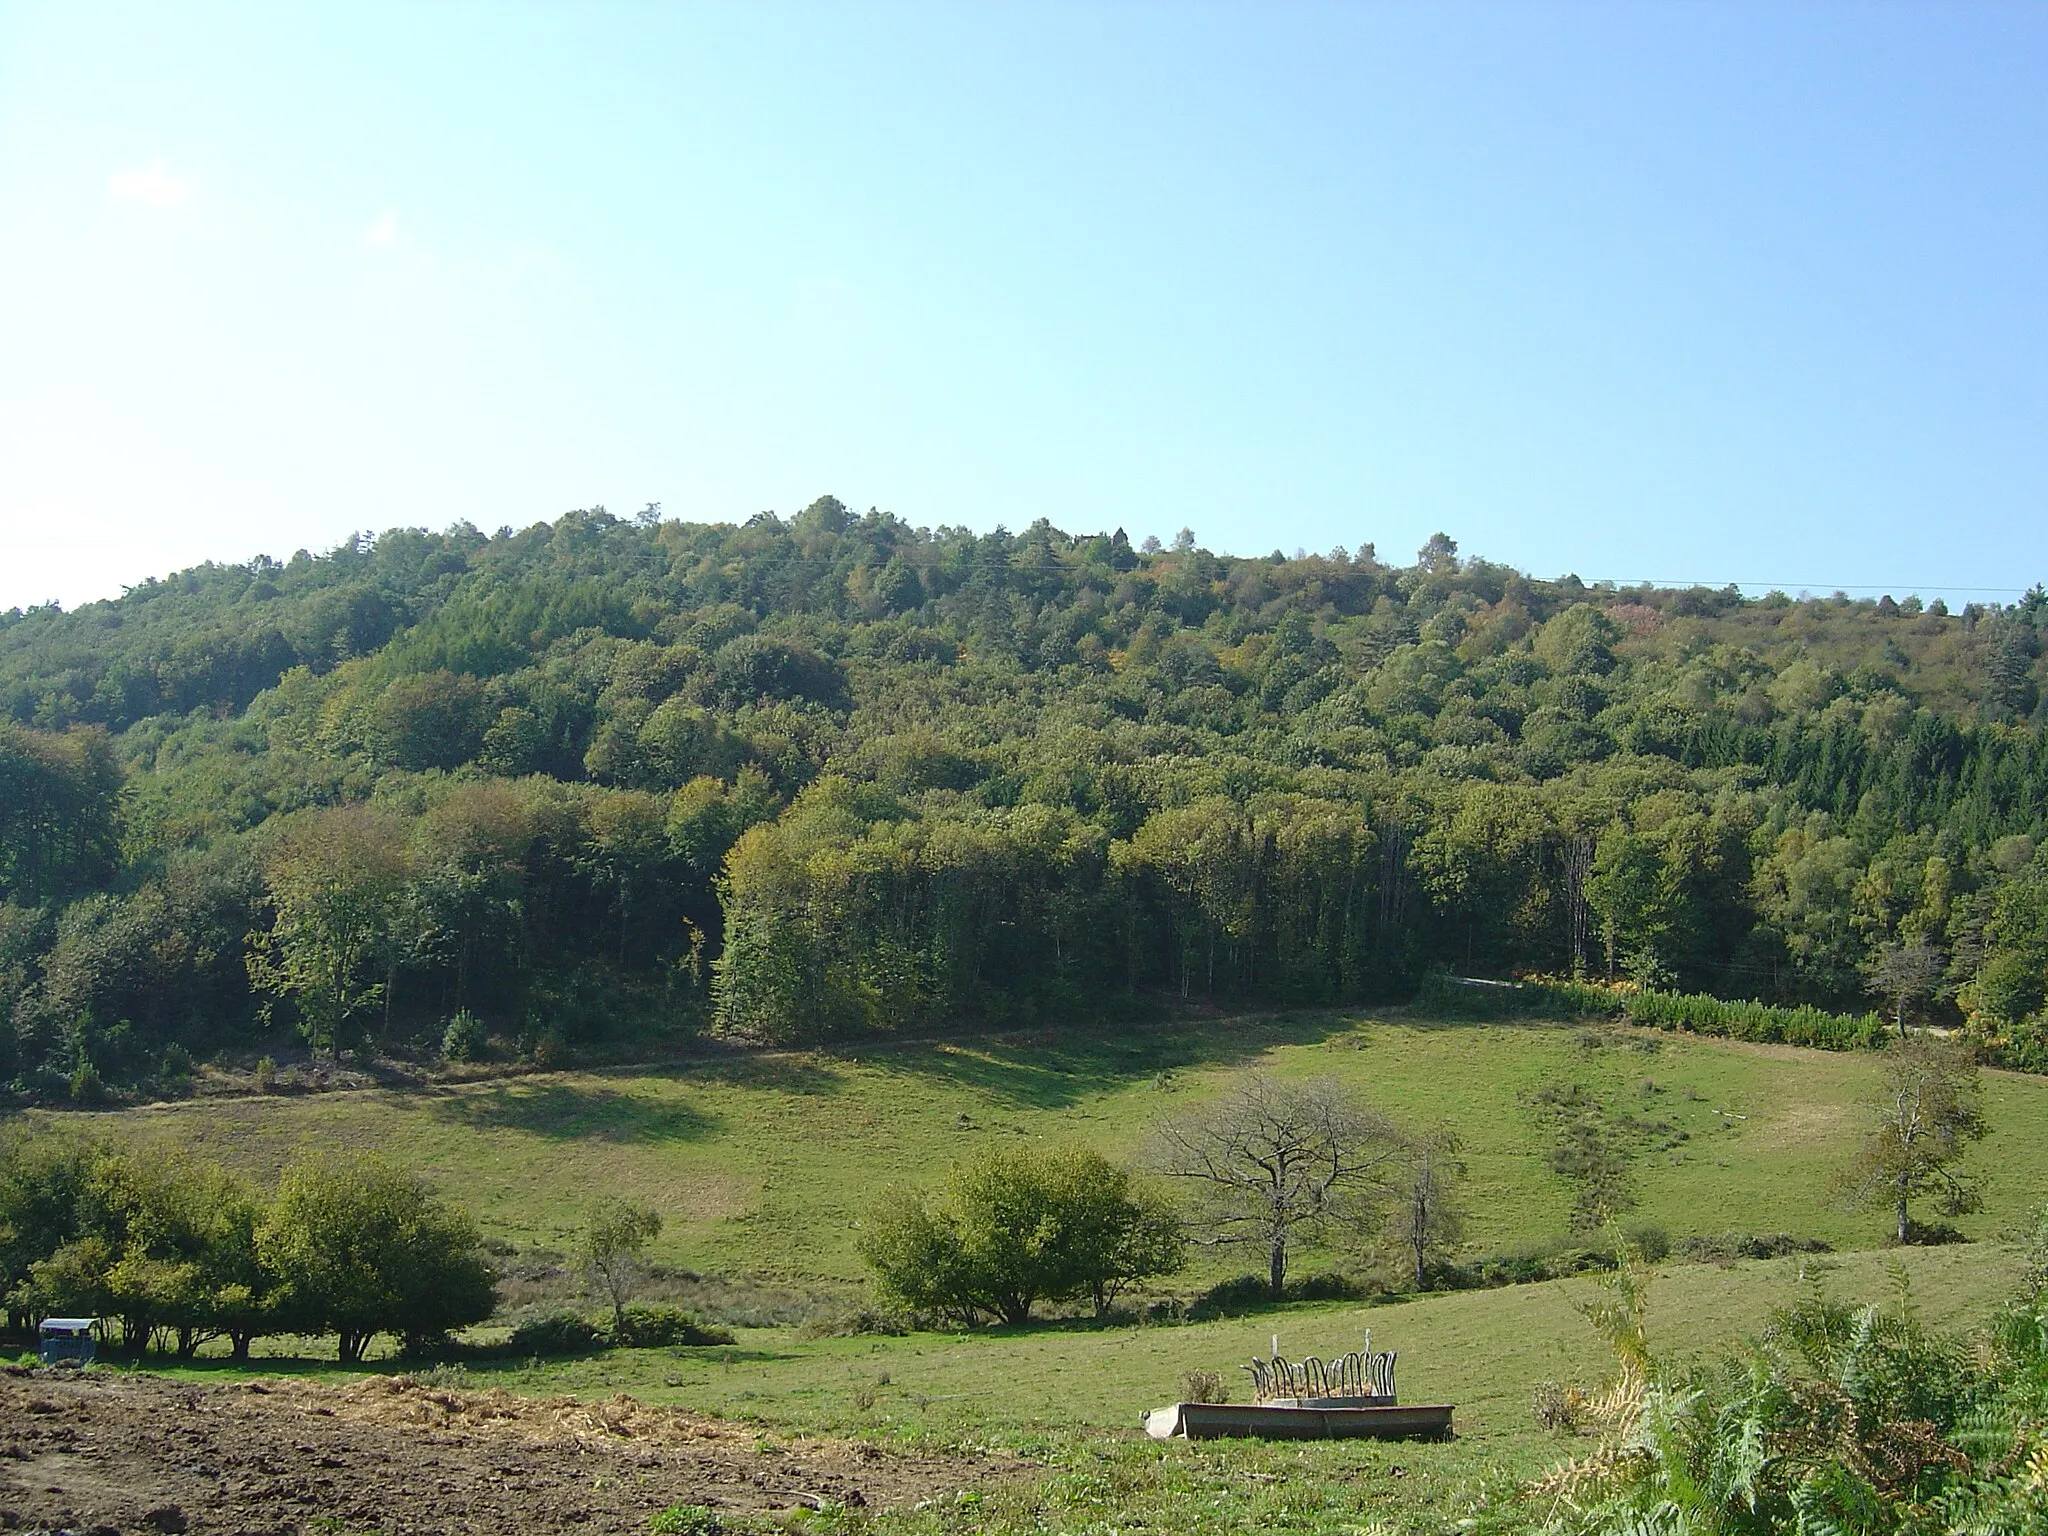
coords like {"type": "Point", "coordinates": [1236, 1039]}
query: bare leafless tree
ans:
{"type": "Point", "coordinates": [1429, 1218]}
{"type": "Point", "coordinates": [1904, 974]}
{"type": "Point", "coordinates": [1275, 1164]}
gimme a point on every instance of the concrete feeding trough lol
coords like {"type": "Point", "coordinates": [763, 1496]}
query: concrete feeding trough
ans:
{"type": "Point", "coordinates": [1351, 1397]}
{"type": "Point", "coordinates": [66, 1340]}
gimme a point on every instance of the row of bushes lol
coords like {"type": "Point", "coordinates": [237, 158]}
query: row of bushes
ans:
{"type": "Point", "coordinates": [1806, 1025]}
{"type": "Point", "coordinates": [2017, 1049]}
{"type": "Point", "coordinates": [1546, 998]}
{"type": "Point", "coordinates": [1696, 1012]}
{"type": "Point", "coordinates": [639, 1327]}
{"type": "Point", "coordinates": [172, 1251]}
{"type": "Point", "coordinates": [1528, 1266]}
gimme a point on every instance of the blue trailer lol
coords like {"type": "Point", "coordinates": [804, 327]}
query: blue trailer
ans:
{"type": "Point", "coordinates": [67, 1340]}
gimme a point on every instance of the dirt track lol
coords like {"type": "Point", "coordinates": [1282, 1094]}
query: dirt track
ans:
{"type": "Point", "coordinates": [99, 1453]}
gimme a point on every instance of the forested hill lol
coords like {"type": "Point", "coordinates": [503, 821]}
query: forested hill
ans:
{"type": "Point", "coordinates": [835, 774]}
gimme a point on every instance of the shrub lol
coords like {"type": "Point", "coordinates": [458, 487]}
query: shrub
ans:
{"type": "Point", "coordinates": [1557, 1407]}
{"type": "Point", "coordinates": [555, 1333]}
{"type": "Point", "coordinates": [685, 1520]}
{"type": "Point", "coordinates": [1538, 998]}
{"type": "Point", "coordinates": [1695, 1012]}
{"type": "Point", "coordinates": [837, 1323]}
{"type": "Point", "coordinates": [465, 1037]}
{"type": "Point", "coordinates": [1526, 1267]}
{"type": "Point", "coordinates": [1653, 1243]}
{"type": "Point", "coordinates": [1016, 1226]}
{"type": "Point", "coordinates": [1326, 1285]}
{"type": "Point", "coordinates": [1726, 1247]}
{"type": "Point", "coordinates": [660, 1327]}
{"type": "Point", "coordinates": [1933, 1234]}
{"type": "Point", "coordinates": [1700, 1014]}
{"type": "Point", "coordinates": [1230, 1298]}
{"type": "Point", "coordinates": [1250, 1293]}
{"type": "Point", "coordinates": [1203, 1387]}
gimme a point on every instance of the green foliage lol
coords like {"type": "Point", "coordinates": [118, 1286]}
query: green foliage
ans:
{"type": "Point", "coordinates": [832, 775]}
{"type": "Point", "coordinates": [335, 879]}
{"type": "Point", "coordinates": [362, 1248]}
{"type": "Point", "coordinates": [59, 812]}
{"type": "Point", "coordinates": [613, 1251]}
{"type": "Point", "coordinates": [1544, 998]}
{"type": "Point", "coordinates": [1803, 1025]}
{"type": "Point", "coordinates": [685, 1520]}
{"type": "Point", "coordinates": [1014, 1227]}
{"type": "Point", "coordinates": [1837, 1418]}
{"type": "Point", "coordinates": [164, 1243]}
{"type": "Point", "coordinates": [1926, 1111]}
{"type": "Point", "coordinates": [465, 1037]}
{"type": "Point", "coordinates": [663, 1327]}
{"type": "Point", "coordinates": [554, 1333]}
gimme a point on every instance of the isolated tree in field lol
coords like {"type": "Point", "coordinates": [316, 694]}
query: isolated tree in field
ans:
{"type": "Point", "coordinates": [1428, 1216]}
{"type": "Point", "coordinates": [1927, 1110]}
{"type": "Point", "coordinates": [1277, 1164]}
{"type": "Point", "coordinates": [1017, 1226]}
{"type": "Point", "coordinates": [362, 1248]}
{"type": "Point", "coordinates": [334, 879]}
{"type": "Point", "coordinates": [1903, 974]}
{"type": "Point", "coordinates": [615, 1252]}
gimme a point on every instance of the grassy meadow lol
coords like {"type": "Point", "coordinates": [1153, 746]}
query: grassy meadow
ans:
{"type": "Point", "coordinates": [762, 1163]}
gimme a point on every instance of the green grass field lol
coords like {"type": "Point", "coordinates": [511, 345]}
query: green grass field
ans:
{"type": "Point", "coordinates": [762, 1164]}
{"type": "Point", "coordinates": [1051, 1393]}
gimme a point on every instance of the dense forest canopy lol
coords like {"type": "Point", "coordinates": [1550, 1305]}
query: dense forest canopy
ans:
{"type": "Point", "coordinates": [832, 774]}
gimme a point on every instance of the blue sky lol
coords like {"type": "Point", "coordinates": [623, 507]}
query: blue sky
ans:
{"type": "Point", "coordinates": [1681, 291]}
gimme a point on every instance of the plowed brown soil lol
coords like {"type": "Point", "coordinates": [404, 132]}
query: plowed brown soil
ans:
{"type": "Point", "coordinates": [103, 1452]}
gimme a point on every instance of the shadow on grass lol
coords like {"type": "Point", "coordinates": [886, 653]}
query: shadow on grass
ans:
{"type": "Point", "coordinates": [779, 1072]}
{"type": "Point", "coordinates": [564, 1112]}
{"type": "Point", "coordinates": [1055, 1068]}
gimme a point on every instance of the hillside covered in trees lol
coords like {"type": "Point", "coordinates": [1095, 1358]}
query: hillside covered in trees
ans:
{"type": "Point", "coordinates": [832, 774]}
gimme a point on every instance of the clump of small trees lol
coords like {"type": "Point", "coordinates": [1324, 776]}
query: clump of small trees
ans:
{"type": "Point", "coordinates": [1271, 1167]}
{"type": "Point", "coordinates": [175, 1251]}
{"type": "Point", "coordinates": [1018, 1226]}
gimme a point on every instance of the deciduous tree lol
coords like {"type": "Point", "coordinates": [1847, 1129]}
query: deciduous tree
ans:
{"type": "Point", "coordinates": [364, 1248]}
{"type": "Point", "coordinates": [614, 1252]}
{"type": "Point", "coordinates": [334, 878]}
{"type": "Point", "coordinates": [1017, 1226]}
{"type": "Point", "coordinates": [1275, 1164]}
{"type": "Point", "coordinates": [1927, 1109]}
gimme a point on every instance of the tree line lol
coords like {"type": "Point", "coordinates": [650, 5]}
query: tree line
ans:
{"type": "Point", "coordinates": [833, 774]}
{"type": "Point", "coordinates": [172, 1251]}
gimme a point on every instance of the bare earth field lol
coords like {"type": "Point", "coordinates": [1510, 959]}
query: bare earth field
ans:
{"type": "Point", "coordinates": [101, 1453]}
